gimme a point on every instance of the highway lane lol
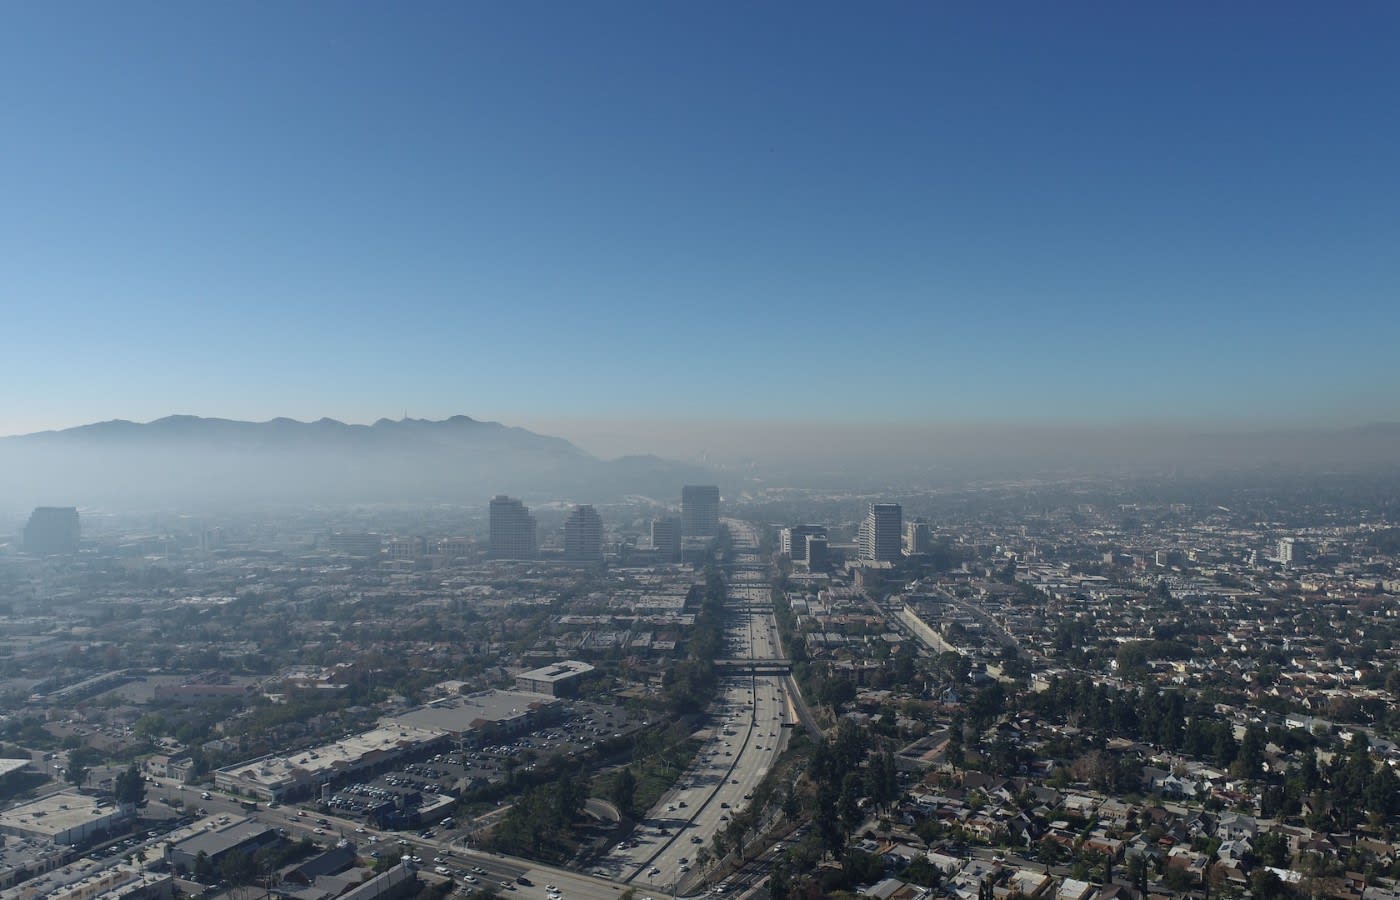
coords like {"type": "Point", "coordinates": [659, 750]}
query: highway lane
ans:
{"type": "Point", "coordinates": [737, 753]}
{"type": "Point", "coordinates": [728, 767]}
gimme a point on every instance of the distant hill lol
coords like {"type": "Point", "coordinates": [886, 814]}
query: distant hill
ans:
{"type": "Point", "coordinates": [188, 461]}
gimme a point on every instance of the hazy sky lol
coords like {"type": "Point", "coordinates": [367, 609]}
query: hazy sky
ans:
{"type": "Point", "coordinates": [543, 212]}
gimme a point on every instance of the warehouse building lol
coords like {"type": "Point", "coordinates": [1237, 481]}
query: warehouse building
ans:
{"type": "Point", "coordinates": [65, 817]}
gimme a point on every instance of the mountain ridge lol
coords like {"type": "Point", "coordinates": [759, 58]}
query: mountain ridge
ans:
{"type": "Point", "coordinates": [193, 460]}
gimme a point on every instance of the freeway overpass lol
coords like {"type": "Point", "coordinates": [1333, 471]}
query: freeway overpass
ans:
{"type": "Point", "coordinates": [753, 666]}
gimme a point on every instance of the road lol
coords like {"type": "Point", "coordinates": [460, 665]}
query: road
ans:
{"type": "Point", "coordinates": [495, 868]}
{"type": "Point", "coordinates": [737, 754]}
{"type": "Point", "coordinates": [730, 765]}
{"type": "Point", "coordinates": [996, 629]}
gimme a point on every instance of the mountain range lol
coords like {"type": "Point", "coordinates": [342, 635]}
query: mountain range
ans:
{"type": "Point", "coordinates": [190, 462]}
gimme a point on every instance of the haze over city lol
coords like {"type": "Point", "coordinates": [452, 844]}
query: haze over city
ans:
{"type": "Point", "coordinates": [610, 451]}
{"type": "Point", "coordinates": [611, 223]}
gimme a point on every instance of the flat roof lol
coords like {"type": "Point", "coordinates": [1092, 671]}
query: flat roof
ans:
{"type": "Point", "coordinates": [344, 753]}
{"type": "Point", "coordinates": [12, 765]}
{"type": "Point", "coordinates": [216, 840]}
{"type": "Point", "coordinates": [467, 712]}
{"type": "Point", "coordinates": [85, 878]}
{"type": "Point", "coordinates": [56, 813]}
{"type": "Point", "coordinates": [559, 671]}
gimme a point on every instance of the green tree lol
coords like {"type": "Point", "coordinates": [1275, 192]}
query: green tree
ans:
{"type": "Point", "coordinates": [623, 790]}
{"type": "Point", "coordinates": [1249, 760]}
{"type": "Point", "coordinates": [780, 881]}
{"type": "Point", "coordinates": [238, 869]}
{"type": "Point", "coordinates": [1265, 885]}
{"type": "Point", "coordinates": [77, 771]}
{"type": "Point", "coordinates": [130, 787]}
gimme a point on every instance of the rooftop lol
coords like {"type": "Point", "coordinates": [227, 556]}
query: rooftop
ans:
{"type": "Point", "coordinates": [55, 813]}
{"type": "Point", "coordinates": [559, 671]}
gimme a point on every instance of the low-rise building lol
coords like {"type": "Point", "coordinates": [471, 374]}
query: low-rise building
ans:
{"type": "Point", "coordinates": [66, 817]}
{"type": "Point", "coordinates": [274, 777]}
{"type": "Point", "coordinates": [215, 840]}
{"type": "Point", "coordinates": [561, 679]}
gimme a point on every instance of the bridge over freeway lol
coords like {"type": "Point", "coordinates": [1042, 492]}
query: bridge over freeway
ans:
{"type": "Point", "coordinates": [753, 666]}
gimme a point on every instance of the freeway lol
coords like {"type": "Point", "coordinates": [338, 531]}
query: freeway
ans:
{"type": "Point", "coordinates": [737, 753]}
{"type": "Point", "coordinates": [734, 759]}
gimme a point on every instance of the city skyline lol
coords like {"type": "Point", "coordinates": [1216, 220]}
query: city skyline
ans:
{"type": "Point", "coordinates": [1029, 214]}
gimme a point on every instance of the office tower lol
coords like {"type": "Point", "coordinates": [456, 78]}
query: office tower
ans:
{"type": "Point", "coordinates": [407, 547]}
{"type": "Point", "coordinates": [794, 540]}
{"type": "Point", "coordinates": [699, 510]}
{"type": "Point", "coordinates": [355, 543]}
{"type": "Point", "coordinates": [817, 556]}
{"type": "Point", "coordinates": [1291, 551]}
{"type": "Point", "coordinates": [52, 529]}
{"type": "Point", "coordinates": [916, 537]}
{"type": "Point", "coordinates": [453, 547]}
{"type": "Point", "coordinates": [666, 538]}
{"type": "Point", "coordinates": [881, 533]}
{"type": "Point", "coordinates": [512, 529]}
{"type": "Point", "coordinates": [583, 535]}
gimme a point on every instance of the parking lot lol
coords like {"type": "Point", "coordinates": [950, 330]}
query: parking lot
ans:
{"type": "Point", "coordinates": [396, 798]}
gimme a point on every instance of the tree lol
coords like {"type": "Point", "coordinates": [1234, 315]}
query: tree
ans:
{"type": "Point", "coordinates": [1137, 871]}
{"type": "Point", "coordinates": [1265, 885]}
{"type": "Point", "coordinates": [623, 790]}
{"type": "Point", "coordinates": [792, 804]}
{"type": "Point", "coordinates": [130, 787]}
{"type": "Point", "coordinates": [238, 870]}
{"type": "Point", "coordinates": [1249, 759]}
{"type": "Point", "coordinates": [149, 727]}
{"type": "Point", "coordinates": [780, 882]}
{"type": "Point", "coordinates": [77, 772]}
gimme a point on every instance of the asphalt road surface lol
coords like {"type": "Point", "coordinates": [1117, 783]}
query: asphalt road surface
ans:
{"type": "Point", "coordinates": [737, 753]}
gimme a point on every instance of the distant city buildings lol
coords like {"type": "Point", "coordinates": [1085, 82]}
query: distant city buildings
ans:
{"type": "Point", "coordinates": [794, 540]}
{"type": "Point", "coordinates": [583, 535]}
{"type": "Point", "coordinates": [916, 537]}
{"type": "Point", "coordinates": [453, 547]}
{"type": "Point", "coordinates": [407, 548]}
{"type": "Point", "coordinates": [52, 530]}
{"type": "Point", "coordinates": [881, 534]}
{"type": "Point", "coordinates": [513, 529]}
{"type": "Point", "coordinates": [666, 538]}
{"type": "Point", "coordinates": [1290, 551]}
{"type": "Point", "coordinates": [699, 510]}
{"type": "Point", "coordinates": [355, 543]}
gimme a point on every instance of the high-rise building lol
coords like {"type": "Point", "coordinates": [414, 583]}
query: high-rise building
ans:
{"type": "Point", "coordinates": [882, 533]}
{"type": "Point", "coordinates": [817, 555]}
{"type": "Point", "coordinates": [407, 547]}
{"type": "Point", "coordinates": [583, 535]}
{"type": "Point", "coordinates": [513, 531]}
{"type": "Point", "coordinates": [52, 529]}
{"type": "Point", "coordinates": [794, 540]}
{"type": "Point", "coordinates": [916, 537]}
{"type": "Point", "coordinates": [666, 538]}
{"type": "Point", "coordinates": [453, 547]}
{"type": "Point", "coordinates": [355, 543]}
{"type": "Point", "coordinates": [699, 510]}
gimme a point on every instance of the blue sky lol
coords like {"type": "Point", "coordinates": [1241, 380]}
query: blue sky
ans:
{"type": "Point", "coordinates": [553, 212]}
